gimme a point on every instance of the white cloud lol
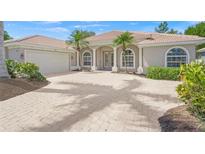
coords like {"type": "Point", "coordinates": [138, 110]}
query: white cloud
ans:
{"type": "Point", "coordinates": [47, 22]}
{"type": "Point", "coordinates": [51, 22]}
{"type": "Point", "coordinates": [57, 29]}
{"type": "Point", "coordinates": [133, 23]}
{"type": "Point", "coordinates": [90, 25]}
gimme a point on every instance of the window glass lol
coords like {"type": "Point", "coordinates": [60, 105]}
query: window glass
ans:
{"type": "Point", "coordinates": [128, 58]}
{"type": "Point", "coordinates": [87, 58]}
{"type": "Point", "coordinates": [176, 57]}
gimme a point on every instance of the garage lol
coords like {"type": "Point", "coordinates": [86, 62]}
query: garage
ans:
{"type": "Point", "coordinates": [49, 62]}
{"type": "Point", "coordinates": [49, 54]}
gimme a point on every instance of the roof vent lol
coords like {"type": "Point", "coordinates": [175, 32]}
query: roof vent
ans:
{"type": "Point", "coordinates": [149, 37]}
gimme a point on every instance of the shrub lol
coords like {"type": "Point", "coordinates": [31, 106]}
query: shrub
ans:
{"type": "Point", "coordinates": [24, 70]}
{"type": "Point", "coordinates": [13, 67]}
{"type": "Point", "coordinates": [166, 73]}
{"type": "Point", "coordinates": [192, 90]}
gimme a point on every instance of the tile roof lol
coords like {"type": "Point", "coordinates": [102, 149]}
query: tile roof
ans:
{"type": "Point", "coordinates": [146, 37]}
{"type": "Point", "coordinates": [40, 40]}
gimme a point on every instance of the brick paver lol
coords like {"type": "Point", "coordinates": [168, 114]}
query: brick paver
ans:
{"type": "Point", "coordinates": [90, 101]}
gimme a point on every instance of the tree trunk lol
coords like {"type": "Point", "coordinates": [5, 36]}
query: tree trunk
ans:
{"type": "Point", "coordinates": [125, 60]}
{"type": "Point", "coordinates": [3, 69]}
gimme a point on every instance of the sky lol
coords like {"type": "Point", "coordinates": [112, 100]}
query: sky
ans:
{"type": "Point", "coordinates": [62, 29]}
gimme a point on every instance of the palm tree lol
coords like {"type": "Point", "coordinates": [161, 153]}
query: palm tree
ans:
{"type": "Point", "coordinates": [3, 71]}
{"type": "Point", "coordinates": [125, 39]}
{"type": "Point", "coordinates": [78, 39]}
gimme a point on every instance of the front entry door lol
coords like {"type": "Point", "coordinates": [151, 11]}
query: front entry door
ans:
{"type": "Point", "coordinates": [108, 60]}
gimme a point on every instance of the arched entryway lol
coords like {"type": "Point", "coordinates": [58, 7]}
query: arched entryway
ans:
{"type": "Point", "coordinates": [106, 55]}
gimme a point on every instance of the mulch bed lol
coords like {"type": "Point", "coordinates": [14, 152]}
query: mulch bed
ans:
{"type": "Point", "coordinates": [13, 87]}
{"type": "Point", "coordinates": [179, 119]}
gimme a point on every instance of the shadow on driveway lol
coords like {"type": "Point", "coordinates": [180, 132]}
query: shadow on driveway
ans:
{"type": "Point", "coordinates": [103, 96]}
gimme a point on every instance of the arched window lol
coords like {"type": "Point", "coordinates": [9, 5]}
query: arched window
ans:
{"type": "Point", "coordinates": [127, 58]}
{"type": "Point", "coordinates": [87, 59]}
{"type": "Point", "coordinates": [176, 56]}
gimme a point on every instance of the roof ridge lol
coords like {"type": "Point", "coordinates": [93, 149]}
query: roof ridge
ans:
{"type": "Point", "coordinates": [104, 33]}
{"type": "Point", "coordinates": [50, 37]}
{"type": "Point", "coordinates": [28, 37]}
{"type": "Point", "coordinates": [20, 39]}
{"type": "Point", "coordinates": [166, 34]}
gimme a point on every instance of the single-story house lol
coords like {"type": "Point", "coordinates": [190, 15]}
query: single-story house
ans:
{"type": "Point", "coordinates": [51, 55]}
{"type": "Point", "coordinates": [148, 49]}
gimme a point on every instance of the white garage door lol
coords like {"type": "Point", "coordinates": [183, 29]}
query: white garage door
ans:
{"type": "Point", "coordinates": [49, 62]}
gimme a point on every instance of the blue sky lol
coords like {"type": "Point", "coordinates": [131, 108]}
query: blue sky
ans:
{"type": "Point", "coordinates": [62, 29]}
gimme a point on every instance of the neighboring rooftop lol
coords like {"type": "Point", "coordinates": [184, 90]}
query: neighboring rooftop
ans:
{"type": "Point", "coordinates": [39, 40]}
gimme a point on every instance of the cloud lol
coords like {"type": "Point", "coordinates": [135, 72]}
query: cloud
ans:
{"type": "Point", "coordinates": [47, 22]}
{"type": "Point", "coordinates": [57, 29]}
{"type": "Point", "coordinates": [133, 23]}
{"type": "Point", "coordinates": [51, 22]}
{"type": "Point", "coordinates": [90, 25]}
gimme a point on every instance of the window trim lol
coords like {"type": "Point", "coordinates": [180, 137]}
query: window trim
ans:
{"type": "Point", "coordinates": [83, 58]}
{"type": "Point", "coordinates": [121, 58]}
{"type": "Point", "coordinates": [183, 48]}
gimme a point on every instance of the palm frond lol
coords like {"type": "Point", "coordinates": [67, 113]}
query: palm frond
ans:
{"type": "Point", "coordinates": [124, 39]}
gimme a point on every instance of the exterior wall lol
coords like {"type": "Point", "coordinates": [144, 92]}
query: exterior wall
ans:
{"type": "Point", "coordinates": [15, 54]}
{"type": "Point", "coordinates": [3, 70]}
{"type": "Point", "coordinates": [73, 58]}
{"type": "Point", "coordinates": [48, 62]}
{"type": "Point", "coordinates": [155, 56]}
{"type": "Point", "coordinates": [152, 56]}
{"type": "Point", "coordinates": [119, 59]}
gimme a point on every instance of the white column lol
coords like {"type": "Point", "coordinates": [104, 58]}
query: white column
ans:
{"type": "Point", "coordinates": [115, 68]}
{"type": "Point", "coordinates": [94, 66]}
{"type": "Point", "coordinates": [78, 60]}
{"type": "Point", "coordinates": [140, 68]}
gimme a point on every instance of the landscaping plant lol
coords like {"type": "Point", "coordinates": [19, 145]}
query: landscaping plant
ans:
{"type": "Point", "coordinates": [24, 70]}
{"type": "Point", "coordinates": [192, 90]}
{"type": "Point", "coordinates": [13, 68]}
{"type": "Point", "coordinates": [125, 39]}
{"type": "Point", "coordinates": [163, 73]}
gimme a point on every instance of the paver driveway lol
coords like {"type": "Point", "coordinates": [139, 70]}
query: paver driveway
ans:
{"type": "Point", "coordinates": [85, 101]}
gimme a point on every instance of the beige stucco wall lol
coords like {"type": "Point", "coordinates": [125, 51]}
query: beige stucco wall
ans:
{"type": "Point", "coordinates": [152, 56]}
{"type": "Point", "coordinates": [15, 54]}
{"type": "Point", "coordinates": [49, 62]}
{"type": "Point", "coordinates": [73, 58]}
{"type": "Point", "coordinates": [155, 56]}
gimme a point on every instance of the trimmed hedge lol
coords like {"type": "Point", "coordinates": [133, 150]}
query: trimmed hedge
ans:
{"type": "Point", "coordinates": [24, 70]}
{"type": "Point", "coordinates": [192, 90]}
{"type": "Point", "coordinates": [164, 73]}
